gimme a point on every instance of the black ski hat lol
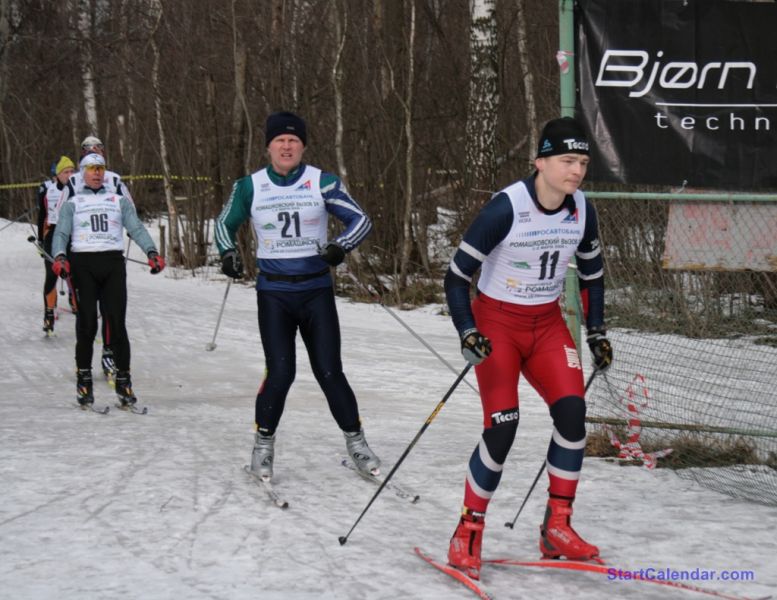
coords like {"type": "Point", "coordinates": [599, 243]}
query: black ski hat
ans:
{"type": "Point", "coordinates": [281, 123]}
{"type": "Point", "coordinates": [562, 136]}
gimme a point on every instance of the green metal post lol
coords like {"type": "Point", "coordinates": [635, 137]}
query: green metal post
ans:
{"type": "Point", "coordinates": [566, 36]}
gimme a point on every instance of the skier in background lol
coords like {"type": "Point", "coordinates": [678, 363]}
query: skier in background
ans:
{"type": "Point", "coordinates": [93, 220]}
{"type": "Point", "coordinates": [524, 238]}
{"type": "Point", "coordinates": [48, 195]}
{"type": "Point", "coordinates": [288, 203]}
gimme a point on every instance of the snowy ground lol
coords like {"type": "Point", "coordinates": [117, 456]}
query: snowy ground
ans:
{"type": "Point", "coordinates": [157, 506]}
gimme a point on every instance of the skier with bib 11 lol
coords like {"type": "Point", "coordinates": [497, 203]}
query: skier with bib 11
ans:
{"type": "Point", "coordinates": [524, 238]}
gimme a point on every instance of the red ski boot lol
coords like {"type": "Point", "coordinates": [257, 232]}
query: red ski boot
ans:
{"type": "Point", "coordinates": [464, 551]}
{"type": "Point", "coordinates": [557, 538]}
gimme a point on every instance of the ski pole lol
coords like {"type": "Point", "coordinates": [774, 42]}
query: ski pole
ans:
{"type": "Point", "coordinates": [19, 218]}
{"type": "Point", "coordinates": [343, 539]}
{"type": "Point", "coordinates": [140, 262]}
{"type": "Point", "coordinates": [128, 259]}
{"type": "Point", "coordinates": [511, 524]}
{"type": "Point", "coordinates": [212, 345]}
{"type": "Point", "coordinates": [406, 326]}
{"type": "Point", "coordinates": [34, 241]}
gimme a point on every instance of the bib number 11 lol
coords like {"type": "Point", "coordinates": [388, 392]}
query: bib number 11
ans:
{"type": "Point", "coordinates": [545, 258]}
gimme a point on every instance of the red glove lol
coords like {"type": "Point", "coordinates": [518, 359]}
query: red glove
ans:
{"type": "Point", "coordinates": [61, 267]}
{"type": "Point", "coordinates": [156, 262]}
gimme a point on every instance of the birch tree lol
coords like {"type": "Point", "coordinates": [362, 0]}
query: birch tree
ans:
{"type": "Point", "coordinates": [528, 79]}
{"type": "Point", "coordinates": [241, 118]}
{"type": "Point", "coordinates": [337, 85]}
{"type": "Point", "coordinates": [86, 59]}
{"type": "Point", "coordinates": [407, 104]}
{"type": "Point", "coordinates": [483, 95]}
{"type": "Point", "coordinates": [174, 237]}
{"type": "Point", "coordinates": [5, 44]}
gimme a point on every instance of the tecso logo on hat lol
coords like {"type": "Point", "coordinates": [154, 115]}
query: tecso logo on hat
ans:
{"type": "Point", "coordinates": [573, 145]}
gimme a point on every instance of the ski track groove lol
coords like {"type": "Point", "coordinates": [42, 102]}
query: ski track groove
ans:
{"type": "Point", "coordinates": [60, 497]}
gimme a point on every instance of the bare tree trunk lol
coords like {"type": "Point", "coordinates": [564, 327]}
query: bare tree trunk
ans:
{"type": "Point", "coordinates": [86, 58]}
{"type": "Point", "coordinates": [276, 41]}
{"type": "Point", "coordinates": [528, 79]}
{"type": "Point", "coordinates": [407, 217]}
{"type": "Point", "coordinates": [483, 95]}
{"type": "Point", "coordinates": [211, 117]}
{"type": "Point", "coordinates": [241, 118]}
{"type": "Point", "coordinates": [174, 237]}
{"type": "Point", "coordinates": [379, 25]}
{"type": "Point", "coordinates": [337, 84]}
{"type": "Point", "coordinates": [5, 45]}
{"type": "Point", "coordinates": [122, 120]}
{"type": "Point", "coordinates": [296, 11]}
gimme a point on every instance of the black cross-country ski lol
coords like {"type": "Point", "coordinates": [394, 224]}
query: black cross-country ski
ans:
{"type": "Point", "coordinates": [268, 488]}
{"type": "Point", "coordinates": [400, 492]}
{"type": "Point", "coordinates": [91, 408]}
{"type": "Point", "coordinates": [131, 408]}
{"type": "Point", "coordinates": [459, 576]}
{"type": "Point", "coordinates": [610, 572]}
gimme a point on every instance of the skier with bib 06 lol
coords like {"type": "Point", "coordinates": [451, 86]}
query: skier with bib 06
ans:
{"type": "Point", "coordinates": [112, 182]}
{"type": "Point", "coordinates": [288, 203]}
{"type": "Point", "coordinates": [524, 238]}
{"type": "Point", "coordinates": [93, 220]}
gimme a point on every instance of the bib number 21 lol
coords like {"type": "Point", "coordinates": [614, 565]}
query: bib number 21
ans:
{"type": "Point", "coordinates": [289, 219]}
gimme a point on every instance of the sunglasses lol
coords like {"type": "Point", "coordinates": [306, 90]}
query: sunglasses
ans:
{"type": "Point", "coordinates": [95, 168]}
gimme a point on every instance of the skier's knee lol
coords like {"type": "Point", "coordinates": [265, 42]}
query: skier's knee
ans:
{"type": "Point", "coordinates": [569, 417]}
{"type": "Point", "coordinates": [500, 436]}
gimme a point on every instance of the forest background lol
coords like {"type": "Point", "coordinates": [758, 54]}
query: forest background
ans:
{"type": "Point", "coordinates": [422, 107]}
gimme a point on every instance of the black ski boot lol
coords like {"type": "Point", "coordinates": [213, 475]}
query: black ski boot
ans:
{"type": "Point", "coordinates": [109, 367]}
{"type": "Point", "coordinates": [85, 395]}
{"type": "Point", "coordinates": [124, 393]}
{"type": "Point", "coordinates": [48, 321]}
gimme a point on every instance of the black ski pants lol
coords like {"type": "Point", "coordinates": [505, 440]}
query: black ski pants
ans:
{"type": "Point", "coordinates": [100, 278]}
{"type": "Point", "coordinates": [50, 282]}
{"type": "Point", "coordinates": [314, 313]}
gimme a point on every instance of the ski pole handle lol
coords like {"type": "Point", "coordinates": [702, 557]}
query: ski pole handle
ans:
{"type": "Point", "coordinates": [34, 241]}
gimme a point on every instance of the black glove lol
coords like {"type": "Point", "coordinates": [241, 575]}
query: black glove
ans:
{"type": "Point", "coordinates": [332, 253]}
{"type": "Point", "coordinates": [475, 347]}
{"type": "Point", "coordinates": [231, 265]}
{"type": "Point", "coordinates": [601, 349]}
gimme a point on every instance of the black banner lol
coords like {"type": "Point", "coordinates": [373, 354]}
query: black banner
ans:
{"type": "Point", "coordinates": [675, 91]}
